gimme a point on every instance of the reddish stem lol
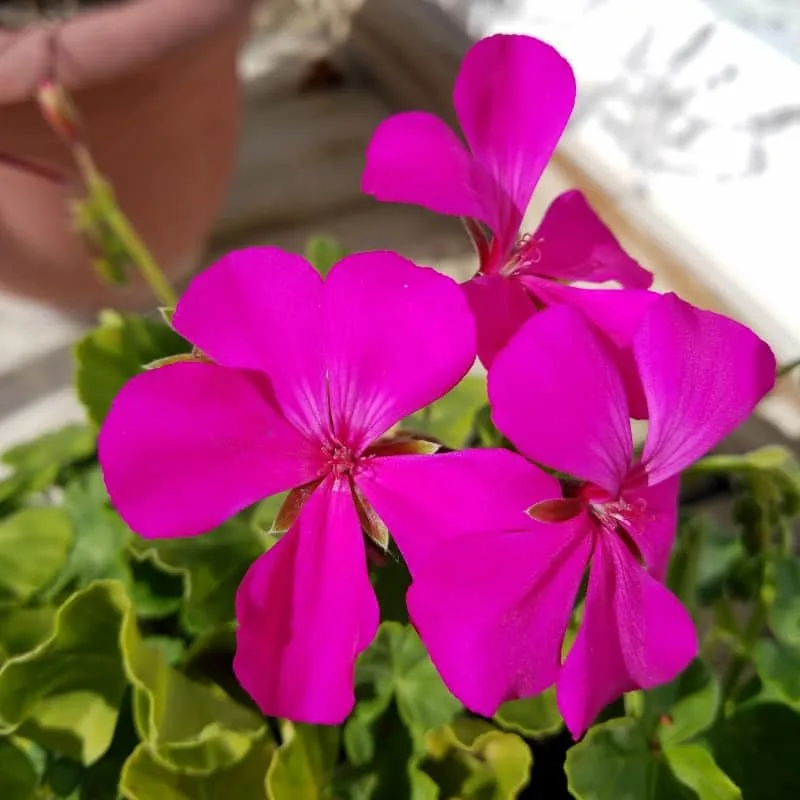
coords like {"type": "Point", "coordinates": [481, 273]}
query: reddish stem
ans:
{"type": "Point", "coordinates": [479, 240]}
{"type": "Point", "coordinates": [39, 170]}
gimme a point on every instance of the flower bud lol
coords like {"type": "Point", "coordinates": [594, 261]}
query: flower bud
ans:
{"type": "Point", "coordinates": [59, 110]}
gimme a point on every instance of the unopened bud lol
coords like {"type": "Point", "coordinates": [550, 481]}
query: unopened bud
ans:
{"type": "Point", "coordinates": [59, 111]}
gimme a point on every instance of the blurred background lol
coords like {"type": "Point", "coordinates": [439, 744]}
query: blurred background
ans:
{"type": "Point", "coordinates": [229, 122]}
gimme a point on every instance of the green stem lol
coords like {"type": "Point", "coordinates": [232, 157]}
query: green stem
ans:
{"type": "Point", "coordinates": [142, 258]}
{"type": "Point", "coordinates": [733, 676]}
{"type": "Point", "coordinates": [750, 635]}
{"type": "Point", "coordinates": [718, 464]}
{"type": "Point", "coordinates": [101, 191]}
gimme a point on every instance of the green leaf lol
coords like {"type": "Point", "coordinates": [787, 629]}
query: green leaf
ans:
{"type": "Point", "coordinates": [23, 629]}
{"type": "Point", "coordinates": [213, 566]}
{"type": "Point", "coordinates": [778, 667]}
{"type": "Point", "coordinates": [100, 537]}
{"type": "Point", "coordinates": [757, 747]}
{"type": "Point", "coordinates": [144, 777]}
{"type": "Point", "coordinates": [304, 763]}
{"type": "Point", "coordinates": [188, 726]}
{"type": "Point", "coordinates": [323, 252]}
{"type": "Point", "coordinates": [18, 777]}
{"type": "Point", "coordinates": [684, 565]}
{"type": "Point", "coordinates": [683, 708]}
{"type": "Point", "coordinates": [390, 580]}
{"type": "Point", "coordinates": [37, 464]}
{"type": "Point", "coordinates": [451, 419]}
{"type": "Point", "coordinates": [485, 430]}
{"type": "Point", "coordinates": [66, 694]}
{"type": "Point", "coordinates": [615, 761]}
{"type": "Point", "coordinates": [475, 760]}
{"type": "Point", "coordinates": [694, 766]}
{"type": "Point", "coordinates": [156, 589]}
{"type": "Point", "coordinates": [114, 352]}
{"type": "Point", "coordinates": [58, 448]}
{"type": "Point", "coordinates": [210, 658]}
{"type": "Point", "coordinates": [721, 557]}
{"type": "Point", "coordinates": [393, 769]}
{"type": "Point", "coordinates": [63, 776]}
{"type": "Point", "coordinates": [784, 614]}
{"type": "Point", "coordinates": [172, 650]}
{"type": "Point", "coordinates": [533, 717]}
{"type": "Point", "coordinates": [396, 667]}
{"type": "Point", "coordinates": [34, 544]}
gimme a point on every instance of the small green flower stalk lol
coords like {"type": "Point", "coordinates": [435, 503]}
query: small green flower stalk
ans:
{"type": "Point", "coordinates": [97, 214]}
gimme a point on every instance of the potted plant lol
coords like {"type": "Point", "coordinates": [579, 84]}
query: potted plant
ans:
{"type": "Point", "coordinates": [157, 86]}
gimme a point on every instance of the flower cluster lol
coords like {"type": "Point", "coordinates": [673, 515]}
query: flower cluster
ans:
{"type": "Point", "coordinates": [299, 384]}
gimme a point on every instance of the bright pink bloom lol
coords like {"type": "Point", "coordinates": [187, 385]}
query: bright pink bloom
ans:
{"type": "Point", "coordinates": [306, 376]}
{"type": "Point", "coordinates": [513, 97]}
{"type": "Point", "coordinates": [558, 395]}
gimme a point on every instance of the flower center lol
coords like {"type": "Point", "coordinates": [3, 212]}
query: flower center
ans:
{"type": "Point", "coordinates": [621, 517]}
{"type": "Point", "coordinates": [341, 459]}
{"type": "Point", "coordinates": [619, 513]}
{"type": "Point", "coordinates": [524, 257]}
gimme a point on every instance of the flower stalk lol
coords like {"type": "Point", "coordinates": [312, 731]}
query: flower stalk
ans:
{"type": "Point", "coordinates": [98, 214]}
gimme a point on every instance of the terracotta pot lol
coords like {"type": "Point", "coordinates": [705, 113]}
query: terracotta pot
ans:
{"type": "Point", "coordinates": [155, 82]}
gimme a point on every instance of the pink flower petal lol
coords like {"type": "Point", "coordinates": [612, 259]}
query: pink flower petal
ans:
{"type": "Point", "coordinates": [306, 609]}
{"type": "Point", "coordinates": [493, 608]}
{"type": "Point", "coordinates": [556, 393]}
{"type": "Point", "coordinates": [703, 375]}
{"type": "Point", "coordinates": [617, 313]}
{"type": "Point", "coordinates": [398, 337]}
{"type": "Point", "coordinates": [500, 306]}
{"type": "Point", "coordinates": [513, 97]}
{"type": "Point", "coordinates": [658, 525]}
{"type": "Point", "coordinates": [415, 158]}
{"type": "Point", "coordinates": [575, 245]}
{"type": "Point", "coordinates": [635, 634]}
{"type": "Point", "coordinates": [186, 446]}
{"type": "Point", "coordinates": [260, 308]}
{"type": "Point", "coordinates": [424, 499]}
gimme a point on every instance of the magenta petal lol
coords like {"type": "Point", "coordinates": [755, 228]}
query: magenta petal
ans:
{"type": "Point", "coordinates": [186, 446]}
{"type": "Point", "coordinates": [500, 306]}
{"type": "Point", "coordinates": [575, 245]}
{"type": "Point", "coordinates": [424, 499]}
{"type": "Point", "coordinates": [306, 609]}
{"type": "Point", "coordinates": [703, 375]}
{"type": "Point", "coordinates": [415, 158]}
{"type": "Point", "coordinates": [616, 312]}
{"type": "Point", "coordinates": [492, 609]}
{"type": "Point", "coordinates": [635, 634]}
{"type": "Point", "coordinates": [656, 528]}
{"type": "Point", "coordinates": [557, 394]}
{"type": "Point", "coordinates": [260, 308]}
{"type": "Point", "coordinates": [398, 337]}
{"type": "Point", "coordinates": [513, 97]}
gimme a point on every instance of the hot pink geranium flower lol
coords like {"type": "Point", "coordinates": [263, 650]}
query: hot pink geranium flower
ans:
{"type": "Point", "coordinates": [306, 378]}
{"type": "Point", "coordinates": [557, 394]}
{"type": "Point", "coordinates": [513, 97]}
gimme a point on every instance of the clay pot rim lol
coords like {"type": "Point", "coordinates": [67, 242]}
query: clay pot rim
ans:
{"type": "Point", "coordinates": [102, 43]}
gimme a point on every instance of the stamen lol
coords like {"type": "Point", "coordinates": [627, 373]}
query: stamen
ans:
{"type": "Point", "coordinates": [622, 518]}
{"type": "Point", "coordinates": [526, 255]}
{"type": "Point", "coordinates": [341, 460]}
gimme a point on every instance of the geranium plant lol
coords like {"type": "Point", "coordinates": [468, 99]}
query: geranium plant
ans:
{"type": "Point", "coordinates": [300, 550]}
